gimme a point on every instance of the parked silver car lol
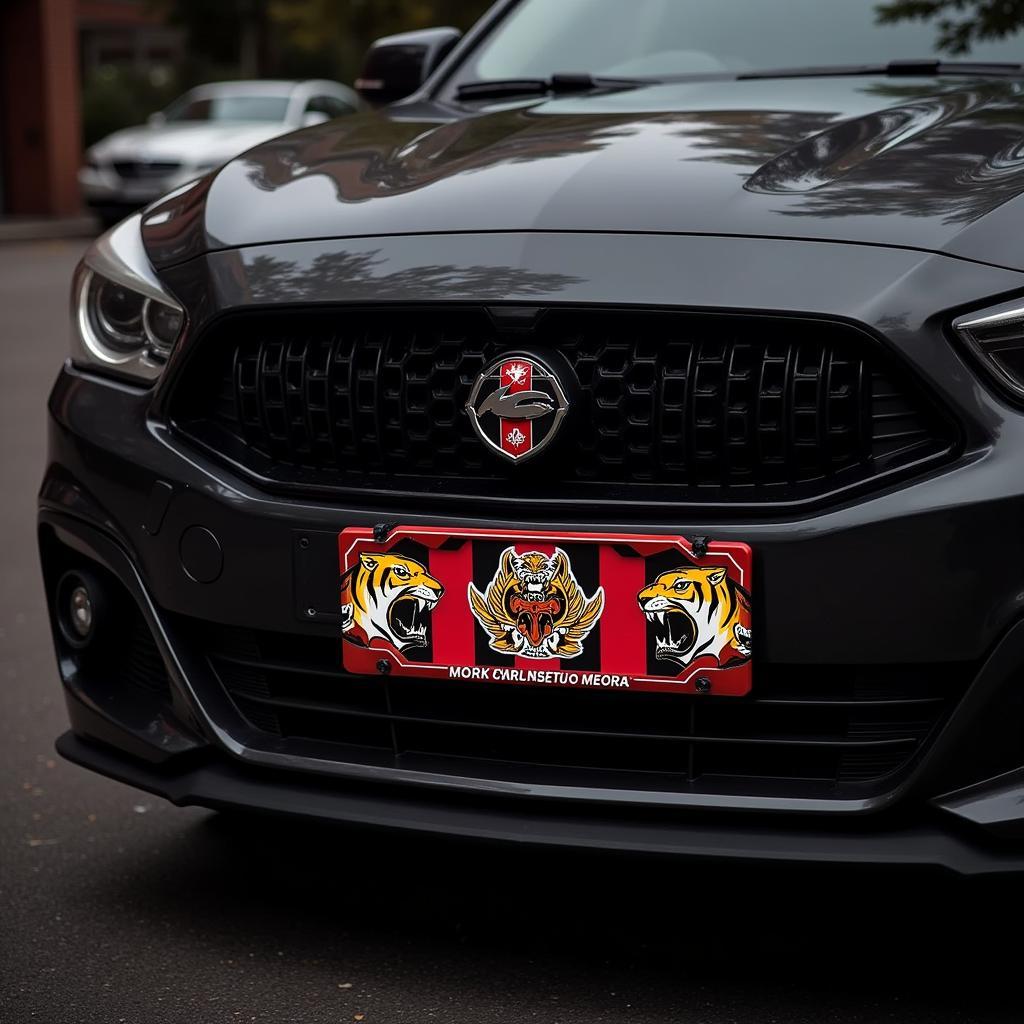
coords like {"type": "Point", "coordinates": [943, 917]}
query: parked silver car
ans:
{"type": "Point", "coordinates": [202, 129]}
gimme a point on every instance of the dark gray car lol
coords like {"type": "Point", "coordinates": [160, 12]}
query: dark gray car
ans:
{"type": "Point", "coordinates": [614, 443]}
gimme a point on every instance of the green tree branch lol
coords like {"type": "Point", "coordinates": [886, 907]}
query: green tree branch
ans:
{"type": "Point", "coordinates": [961, 23]}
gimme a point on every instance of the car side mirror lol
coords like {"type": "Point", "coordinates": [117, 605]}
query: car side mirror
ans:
{"type": "Point", "coordinates": [312, 117]}
{"type": "Point", "coordinates": [396, 66]}
{"type": "Point", "coordinates": [156, 120]}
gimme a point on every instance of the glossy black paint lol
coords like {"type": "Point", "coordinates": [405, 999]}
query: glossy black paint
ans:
{"type": "Point", "coordinates": [891, 204]}
{"type": "Point", "coordinates": [928, 163]}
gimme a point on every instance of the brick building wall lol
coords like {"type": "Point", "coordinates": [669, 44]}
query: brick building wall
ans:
{"type": "Point", "coordinates": [41, 44]}
{"type": "Point", "coordinates": [40, 131]}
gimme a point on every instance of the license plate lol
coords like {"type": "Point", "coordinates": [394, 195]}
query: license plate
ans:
{"type": "Point", "coordinates": [144, 192]}
{"type": "Point", "coordinates": [562, 610]}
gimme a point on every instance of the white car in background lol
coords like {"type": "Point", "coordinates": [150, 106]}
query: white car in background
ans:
{"type": "Point", "coordinates": [206, 127]}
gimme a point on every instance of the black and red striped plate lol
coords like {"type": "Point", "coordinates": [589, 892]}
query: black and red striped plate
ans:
{"type": "Point", "coordinates": [569, 610]}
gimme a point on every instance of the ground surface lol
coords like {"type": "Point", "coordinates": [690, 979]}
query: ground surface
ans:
{"type": "Point", "coordinates": [117, 907]}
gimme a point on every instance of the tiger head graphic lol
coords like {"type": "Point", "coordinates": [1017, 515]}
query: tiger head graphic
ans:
{"type": "Point", "coordinates": [698, 612]}
{"type": "Point", "coordinates": [535, 571]}
{"type": "Point", "coordinates": [387, 597]}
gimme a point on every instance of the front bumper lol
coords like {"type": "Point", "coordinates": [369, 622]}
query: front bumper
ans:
{"type": "Point", "coordinates": [944, 552]}
{"type": "Point", "coordinates": [222, 785]}
{"type": "Point", "coordinates": [190, 749]}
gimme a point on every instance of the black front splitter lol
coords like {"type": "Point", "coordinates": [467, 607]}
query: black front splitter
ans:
{"type": "Point", "coordinates": [223, 784]}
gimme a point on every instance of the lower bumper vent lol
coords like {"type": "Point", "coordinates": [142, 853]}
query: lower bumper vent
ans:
{"type": "Point", "coordinates": [807, 730]}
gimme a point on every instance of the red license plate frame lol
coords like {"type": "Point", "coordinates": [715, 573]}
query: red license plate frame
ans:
{"type": "Point", "coordinates": [584, 611]}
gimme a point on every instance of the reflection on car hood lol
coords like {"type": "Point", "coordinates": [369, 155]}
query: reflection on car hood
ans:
{"type": "Point", "coordinates": [921, 163]}
{"type": "Point", "coordinates": [206, 142]}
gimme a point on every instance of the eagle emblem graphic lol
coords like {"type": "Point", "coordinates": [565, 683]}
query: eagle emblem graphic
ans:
{"type": "Point", "coordinates": [534, 608]}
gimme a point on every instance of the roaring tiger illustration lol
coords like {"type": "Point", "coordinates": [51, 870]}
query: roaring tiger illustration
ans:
{"type": "Point", "coordinates": [698, 612]}
{"type": "Point", "coordinates": [534, 608]}
{"type": "Point", "coordinates": [387, 597]}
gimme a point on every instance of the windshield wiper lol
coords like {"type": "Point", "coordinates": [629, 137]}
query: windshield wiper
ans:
{"type": "Point", "coordinates": [892, 68]}
{"type": "Point", "coordinates": [557, 83]}
{"type": "Point", "coordinates": [563, 83]}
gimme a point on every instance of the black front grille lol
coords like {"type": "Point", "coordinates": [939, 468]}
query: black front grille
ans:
{"type": "Point", "coordinates": [807, 730]}
{"type": "Point", "coordinates": [667, 407]}
{"type": "Point", "coordinates": [135, 169]}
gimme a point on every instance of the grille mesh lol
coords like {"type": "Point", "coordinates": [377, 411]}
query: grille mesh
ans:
{"type": "Point", "coordinates": [668, 407]}
{"type": "Point", "coordinates": [135, 169]}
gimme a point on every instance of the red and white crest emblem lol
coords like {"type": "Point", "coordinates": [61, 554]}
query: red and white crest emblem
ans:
{"type": "Point", "coordinates": [517, 406]}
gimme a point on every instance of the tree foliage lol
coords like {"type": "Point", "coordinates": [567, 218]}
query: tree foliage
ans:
{"type": "Point", "coordinates": [310, 38]}
{"type": "Point", "coordinates": [258, 39]}
{"type": "Point", "coordinates": [337, 33]}
{"type": "Point", "coordinates": [960, 23]}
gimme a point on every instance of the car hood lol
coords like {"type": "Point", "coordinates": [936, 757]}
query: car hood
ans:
{"type": "Point", "coordinates": [928, 163]}
{"type": "Point", "coordinates": [207, 143]}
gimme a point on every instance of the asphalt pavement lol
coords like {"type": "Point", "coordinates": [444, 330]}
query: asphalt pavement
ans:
{"type": "Point", "coordinates": [118, 907]}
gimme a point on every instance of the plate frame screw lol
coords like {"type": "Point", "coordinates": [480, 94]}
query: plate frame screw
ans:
{"type": "Point", "coordinates": [384, 667]}
{"type": "Point", "coordinates": [703, 684]}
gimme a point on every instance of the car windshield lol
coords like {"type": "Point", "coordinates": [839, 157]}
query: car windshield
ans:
{"type": "Point", "coordinates": [662, 38]}
{"type": "Point", "coordinates": [228, 108]}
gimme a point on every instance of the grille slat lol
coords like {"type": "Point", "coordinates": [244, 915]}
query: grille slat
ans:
{"type": "Point", "coordinates": [669, 408]}
{"type": "Point", "coordinates": [136, 169]}
{"type": "Point", "coordinates": [327, 708]}
{"type": "Point", "coordinates": [803, 728]}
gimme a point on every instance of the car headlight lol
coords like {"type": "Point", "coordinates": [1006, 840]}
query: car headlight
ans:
{"type": "Point", "coordinates": [124, 320]}
{"type": "Point", "coordinates": [996, 337]}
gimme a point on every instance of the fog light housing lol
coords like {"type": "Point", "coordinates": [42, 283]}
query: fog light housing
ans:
{"type": "Point", "coordinates": [79, 601]}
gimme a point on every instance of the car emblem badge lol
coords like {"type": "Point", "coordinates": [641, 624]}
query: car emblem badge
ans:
{"type": "Point", "coordinates": [517, 406]}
